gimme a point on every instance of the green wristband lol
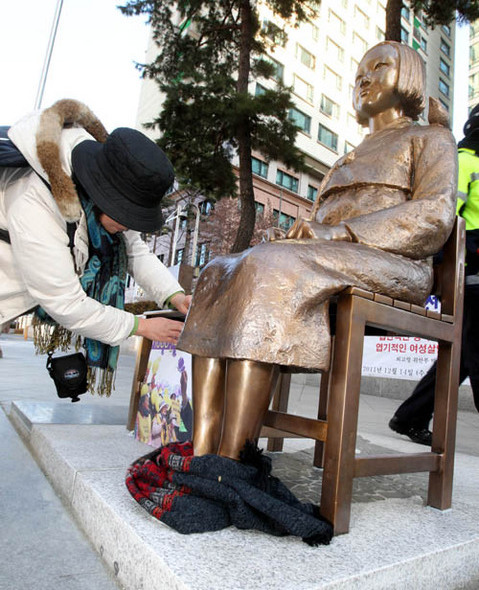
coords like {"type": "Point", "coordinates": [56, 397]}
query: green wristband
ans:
{"type": "Point", "coordinates": [135, 326]}
{"type": "Point", "coordinates": [168, 300]}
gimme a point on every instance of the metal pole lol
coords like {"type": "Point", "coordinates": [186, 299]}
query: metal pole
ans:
{"type": "Point", "coordinates": [280, 205]}
{"type": "Point", "coordinates": [48, 56]}
{"type": "Point", "coordinates": [175, 235]}
{"type": "Point", "coordinates": [195, 237]}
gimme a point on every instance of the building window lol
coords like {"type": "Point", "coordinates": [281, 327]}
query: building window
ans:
{"type": "Point", "coordinates": [303, 89]}
{"type": "Point", "coordinates": [381, 10]}
{"type": "Point", "coordinates": [312, 29]}
{"type": "Point", "coordinates": [259, 90]}
{"type": "Point", "coordinates": [179, 256]}
{"type": "Point", "coordinates": [278, 68]}
{"type": "Point", "coordinates": [354, 66]}
{"type": "Point", "coordinates": [332, 78]}
{"type": "Point", "coordinates": [287, 181]}
{"type": "Point", "coordinates": [404, 35]}
{"type": "Point", "coordinates": [205, 207]}
{"type": "Point", "coordinates": [444, 67]}
{"type": "Point", "coordinates": [353, 124]}
{"type": "Point", "coordinates": [300, 120]}
{"type": "Point", "coordinates": [312, 193]}
{"type": "Point", "coordinates": [259, 167]}
{"type": "Point", "coordinates": [285, 221]}
{"type": "Point", "coordinates": [329, 107]}
{"type": "Point", "coordinates": [473, 52]}
{"type": "Point", "coordinates": [327, 137]}
{"type": "Point", "coordinates": [418, 18]}
{"type": "Point", "coordinates": [473, 85]}
{"type": "Point", "coordinates": [337, 23]}
{"type": "Point", "coordinates": [362, 20]}
{"type": "Point", "coordinates": [202, 254]}
{"type": "Point", "coordinates": [416, 33]}
{"type": "Point", "coordinates": [444, 104]}
{"type": "Point", "coordinates": [445, 48]}
{"type": "Point", "coordinates": [446, 29]}
{"type": "Point", "coordinates": [443, 87]}
{"type": "Point", "coordinates": [380, 34]}
{"type": "Point", "coordinates": [274, 33]}
{"type": "Point", "coordinates": [259, 207]}
{"type": "Point", "coordinates": [305, 57]}
{"type": "Point", "coordinates": [359, 44]}
{"type": "Point", "coordinates": [423, 44]}
{"type": "Point", "coordinates": [348, 147]}
{"type": "Point", "coordinates": [334, 50]}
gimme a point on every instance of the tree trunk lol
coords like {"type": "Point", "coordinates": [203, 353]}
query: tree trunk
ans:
{"type": "Point", "coordinates": [393, 20]}
{"type": "Point", "coordinates": [248, 211]}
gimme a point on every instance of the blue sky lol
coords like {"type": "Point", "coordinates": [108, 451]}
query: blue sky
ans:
{"type": "Point", "coordinates": [93, 60]}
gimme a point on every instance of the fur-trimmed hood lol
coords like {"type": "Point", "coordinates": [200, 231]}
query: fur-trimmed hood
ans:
{"type": "Point", "coordinates": [47, 139]}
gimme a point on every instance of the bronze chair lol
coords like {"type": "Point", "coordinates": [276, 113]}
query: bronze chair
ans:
{"type": "Point", "coordinates": [337, 421]}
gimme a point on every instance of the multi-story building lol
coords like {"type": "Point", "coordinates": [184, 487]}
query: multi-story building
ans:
{"type": "Point", "coordinates": [318, 60]}
{"type": "Point", "coordinates": [473, 97]}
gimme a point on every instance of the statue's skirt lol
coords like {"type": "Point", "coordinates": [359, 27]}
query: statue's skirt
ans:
{"type": "Point", "coordinates": [270, 303]}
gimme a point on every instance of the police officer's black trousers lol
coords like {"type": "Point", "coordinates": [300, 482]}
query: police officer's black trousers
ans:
{"type": "Point", "coordinates": [417, 410]}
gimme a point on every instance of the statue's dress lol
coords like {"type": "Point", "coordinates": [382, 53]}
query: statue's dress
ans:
{"type": "Point", "coordinates": [396, 195]}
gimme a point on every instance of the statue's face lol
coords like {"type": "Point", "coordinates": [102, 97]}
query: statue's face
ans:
{"type": "Point", "coordinates": [375, 90]}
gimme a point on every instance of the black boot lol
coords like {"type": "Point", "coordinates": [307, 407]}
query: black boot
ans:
{"type": "Point", "coordinates": [421, 436]}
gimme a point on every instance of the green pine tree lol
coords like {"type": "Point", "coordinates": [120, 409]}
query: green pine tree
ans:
{"type": "Point", "coordinates": [203, 67]}
{"type": "Point", "coordinates": [436, 12]}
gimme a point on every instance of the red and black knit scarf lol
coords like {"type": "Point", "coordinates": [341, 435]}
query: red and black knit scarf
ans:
{"type": "Point", "coordinates": [209, 493]}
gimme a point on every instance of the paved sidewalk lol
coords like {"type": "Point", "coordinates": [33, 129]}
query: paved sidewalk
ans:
{"type": "Point", "coordinates": [41, 545]}
{"type": "Point", "coordinates": [395, 542]}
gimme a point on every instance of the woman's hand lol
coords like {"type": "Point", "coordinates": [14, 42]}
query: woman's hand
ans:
{"type": "Point", "coordinates": [160, 329]}
{"type": "Point", "coordinates": [308, 229]}
{"type": "Point", "coordinates": [181, 302]}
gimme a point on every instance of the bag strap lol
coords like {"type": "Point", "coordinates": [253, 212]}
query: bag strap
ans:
{"type": "Point", "coordinates": [5, 236]}
{"type": "Point", "coordinates": [12, 157]}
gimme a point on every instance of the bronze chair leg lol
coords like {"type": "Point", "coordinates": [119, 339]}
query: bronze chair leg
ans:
{"type": "Point", "coordinates": [208, 403]}
{"type": "Point", "coordinates": [343, 410]}
{"type": "Point", "coordinates": [249, 387]}
{"type": "Point", "coordinates": [319, 446]}
{"type": "Point", "coordinates": [444, 428]}
{"type": "Point", "coordinates": [280, 404]}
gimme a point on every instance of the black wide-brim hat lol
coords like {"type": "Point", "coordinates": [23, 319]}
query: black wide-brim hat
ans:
{"type": "Point", "coordinates": [126, 177]}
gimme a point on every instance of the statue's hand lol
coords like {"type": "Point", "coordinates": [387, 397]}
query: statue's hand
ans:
{"type": "Point", "coordinates": [301, 229]}
{"type": "Point", "coordinates": [308, 229]}
{"type": "Point", "coordinates": [273, 233]}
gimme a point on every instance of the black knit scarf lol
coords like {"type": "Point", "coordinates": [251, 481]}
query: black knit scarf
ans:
{"type": "Point", "coordinates": [209, 493]}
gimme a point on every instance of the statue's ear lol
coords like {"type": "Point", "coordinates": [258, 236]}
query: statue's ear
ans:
{"type": "Point", "coordinates": [437, 114]}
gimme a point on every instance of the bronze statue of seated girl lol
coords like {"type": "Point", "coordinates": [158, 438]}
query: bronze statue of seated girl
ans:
{"type": "Point", "coordinates": [382, 211]}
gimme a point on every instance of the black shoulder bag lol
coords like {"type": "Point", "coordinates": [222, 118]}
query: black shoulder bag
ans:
{"type": "Point", "coordinates": [69, 374]}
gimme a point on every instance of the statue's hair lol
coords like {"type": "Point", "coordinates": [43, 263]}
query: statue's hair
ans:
{"type": "Point", "coordinates": [411, 84]}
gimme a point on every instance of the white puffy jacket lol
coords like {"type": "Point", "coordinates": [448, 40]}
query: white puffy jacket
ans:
{"type": "Point", "coordinates": [38, 267]}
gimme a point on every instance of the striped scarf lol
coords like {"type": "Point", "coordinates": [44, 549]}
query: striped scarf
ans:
{"type": "Point", "coordinates": [103, 280]}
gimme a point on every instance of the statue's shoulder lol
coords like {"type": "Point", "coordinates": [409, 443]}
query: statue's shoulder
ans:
{"type": "Point", "coordinates": [432, 133]}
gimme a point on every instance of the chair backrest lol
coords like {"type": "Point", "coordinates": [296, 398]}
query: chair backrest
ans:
{"type": "Point", "coordinates": [450, 271]}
